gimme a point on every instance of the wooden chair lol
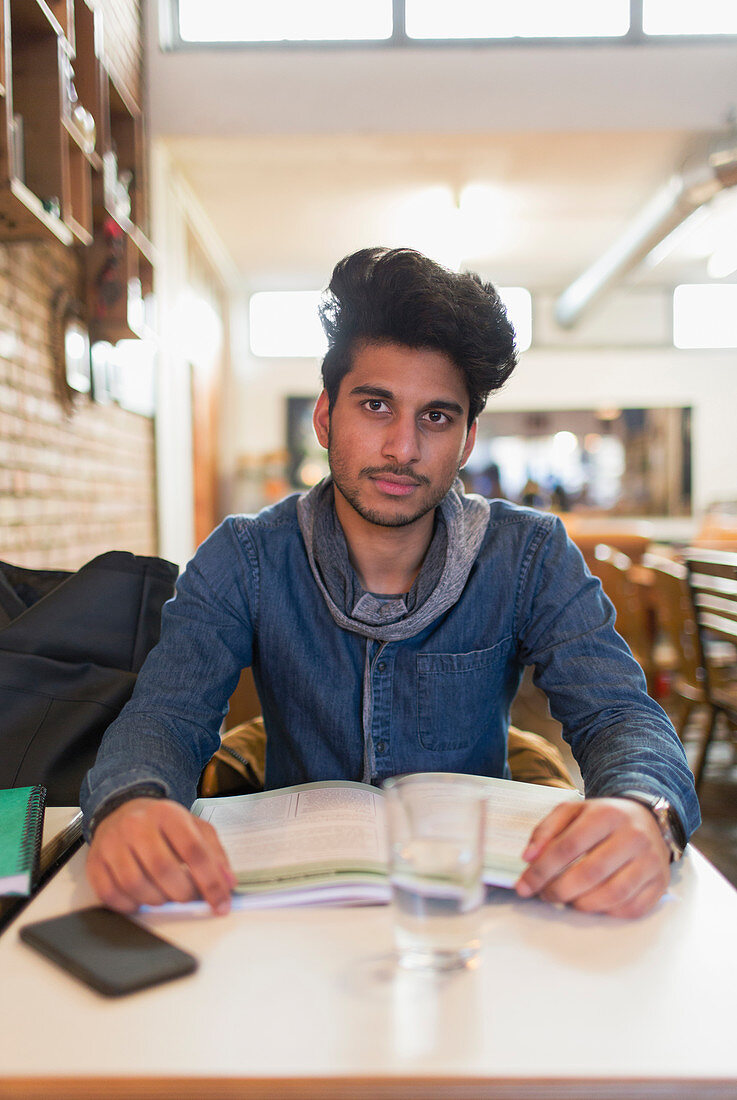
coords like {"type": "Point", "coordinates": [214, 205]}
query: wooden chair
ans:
{"type": "Point", "coordinates": [712, 577]}
{"type": "Point", "coordinates": [632, 543]}
{"type": "Point", "coordinates": [634, 619]}
{"type": "Point", "coordinates": [718, 529]}
{"type": "Point", "coordinates": [676, 623]}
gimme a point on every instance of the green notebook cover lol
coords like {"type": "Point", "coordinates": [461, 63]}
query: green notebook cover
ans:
{"type": "Point", "coordinates": [21, 828]}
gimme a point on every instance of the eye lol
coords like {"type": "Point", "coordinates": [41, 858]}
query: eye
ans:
{"type": "Point", "coordinates": [435, 416]}
{"type": "Point", "coordinates": [375, 404]}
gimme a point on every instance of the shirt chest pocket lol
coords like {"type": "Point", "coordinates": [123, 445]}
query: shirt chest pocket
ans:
{"type": "Point", "coordinates": [459, 695]}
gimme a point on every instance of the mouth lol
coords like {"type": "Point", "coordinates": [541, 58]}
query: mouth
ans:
{"type": "Point", "coordinates": [395, 485]}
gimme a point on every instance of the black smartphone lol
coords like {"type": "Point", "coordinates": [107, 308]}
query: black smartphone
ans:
{"type": "Point", "coordinates": [107, 950]}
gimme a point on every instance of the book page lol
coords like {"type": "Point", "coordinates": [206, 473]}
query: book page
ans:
{"type": "Point", "coordinates": [314, 829]}
{"type": "Point", "coordinates": [512, 812]}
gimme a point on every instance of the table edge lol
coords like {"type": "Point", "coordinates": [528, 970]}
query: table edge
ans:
{"type": "Point", "coordinates": [389, 1087]}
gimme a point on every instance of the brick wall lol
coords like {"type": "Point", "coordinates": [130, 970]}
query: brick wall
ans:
{"type": "Point", "coordinates": [72, 484]}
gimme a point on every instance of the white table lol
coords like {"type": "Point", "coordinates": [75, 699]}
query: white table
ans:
{"type": "Point", "coordinates": [308, 1003]}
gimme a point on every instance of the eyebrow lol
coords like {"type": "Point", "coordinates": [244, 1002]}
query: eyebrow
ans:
{"type": "Point", "coordinates": [379, 391]}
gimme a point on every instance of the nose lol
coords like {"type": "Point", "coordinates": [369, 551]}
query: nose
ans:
{"type": "Point", "coordinates": [402, 441]}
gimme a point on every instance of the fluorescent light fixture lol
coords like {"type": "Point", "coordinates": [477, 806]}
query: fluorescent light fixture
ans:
{"type": "Point", "coordinates": [677, 237]}
{"type": "Point", "coordinates": [687, 17]}
{"type": "Point", "coordinates": [705, 315]}
{"type": "Point", "coordinates": [284, 324]}
{"type": "Point", "coordinates": [521, 19]}
{"type": "Point", "coordinates": [284, 20]}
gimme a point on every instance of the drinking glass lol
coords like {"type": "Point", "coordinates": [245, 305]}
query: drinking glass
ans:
{"type": "Point", "coordinates": [435, 831]}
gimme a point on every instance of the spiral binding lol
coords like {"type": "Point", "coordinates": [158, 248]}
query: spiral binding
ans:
{"type": "Point", "coordinates": [30, 846]}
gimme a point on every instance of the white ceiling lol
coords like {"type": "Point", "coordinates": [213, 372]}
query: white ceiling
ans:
{"type": "Point", "coordinates": [298, 158]}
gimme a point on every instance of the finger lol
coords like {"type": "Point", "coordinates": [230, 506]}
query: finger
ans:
{"type": "Point", "coordinates": [203, 859]}
{"type": "Point", "coordinates": [212, 838]}
{"type": "Point", "coordinates": [591, 871]}
{"type": "Point", "coordinates": [163, 867]}
{"type": "Point", "coordinates": [106, 888]}
{"type": "Point", "coordinates": [552, 824]}
{"type": "Point", "coordinates": [642, 901]}
{"type": "Point", "coordinates": [581, 833]}
{"type": "Point", "coordinates": [131, 878]}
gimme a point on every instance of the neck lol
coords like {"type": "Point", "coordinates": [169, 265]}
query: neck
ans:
{"type": "Point", "coordinates": [386, 559]}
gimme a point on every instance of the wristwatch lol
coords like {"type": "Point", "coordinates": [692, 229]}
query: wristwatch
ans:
{"type": "Point", "coordinates": [668, 820]}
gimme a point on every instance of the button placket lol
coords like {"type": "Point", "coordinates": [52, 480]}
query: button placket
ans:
{"type": "Point", "coordinates": [381, 688]}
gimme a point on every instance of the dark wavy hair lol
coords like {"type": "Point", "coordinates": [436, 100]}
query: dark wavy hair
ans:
{"type": "Point", "coordinates": [399, 296]}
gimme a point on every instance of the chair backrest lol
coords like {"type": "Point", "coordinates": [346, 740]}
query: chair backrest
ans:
{"type": "Point", "coordinates": [676, 617]}
{"type": "Point", "coordinates": [612, 568]}
{"type": "Point", "coordinates": [632, 543]}
{"type": "Point", "coordinates": [712, 576]}
{"type": "Point", "coordinates": [718, 529]}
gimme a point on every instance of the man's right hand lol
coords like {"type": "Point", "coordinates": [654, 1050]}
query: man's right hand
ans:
{"type": "Point", "coordinates": [151, 850]}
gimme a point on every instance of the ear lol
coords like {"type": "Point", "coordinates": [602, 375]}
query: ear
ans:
{"type": "Point", "coordinates": [321, 419]}
{"type": "Point", "coordinates": [469, 444]}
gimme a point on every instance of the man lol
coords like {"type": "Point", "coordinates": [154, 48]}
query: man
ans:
{"type": "Point", "coordinates": [387, 617]}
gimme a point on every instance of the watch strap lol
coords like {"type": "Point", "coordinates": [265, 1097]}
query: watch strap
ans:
{"type": "Point", "coordinates": [668, 821]}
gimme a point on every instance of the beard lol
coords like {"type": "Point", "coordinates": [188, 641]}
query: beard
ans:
{"type": "Point", "coordinates": [349, 486]}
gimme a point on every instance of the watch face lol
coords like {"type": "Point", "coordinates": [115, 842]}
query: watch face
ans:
{"type": "Point", "coordinates": [664, 814]}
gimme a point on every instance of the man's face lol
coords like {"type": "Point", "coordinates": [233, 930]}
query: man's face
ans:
{"type": "Point", "coordinates": [396, 435]}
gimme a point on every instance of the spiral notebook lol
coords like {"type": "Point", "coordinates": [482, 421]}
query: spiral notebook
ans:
{"type": "Point", "coordinates": [21, 828]}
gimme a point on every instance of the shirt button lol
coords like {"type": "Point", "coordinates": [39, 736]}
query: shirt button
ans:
{"type": "Point", "coordinates": [381, 746]}
{"type": "Point", "coordinates": [381, 666]}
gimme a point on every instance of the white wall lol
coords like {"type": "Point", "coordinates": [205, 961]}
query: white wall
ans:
{"type": "Point", "coordinates": [437, 90]}
{"type": "Point", "coordinates": [175, 214]}
{"type": "Point", "coordinates": [173, 408]}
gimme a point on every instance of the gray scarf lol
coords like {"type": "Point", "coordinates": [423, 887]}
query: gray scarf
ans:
{"type": "Point", "coordinates": [461, 523]}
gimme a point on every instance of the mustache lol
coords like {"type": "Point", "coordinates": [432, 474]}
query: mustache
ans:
{"type": "Point", "coordinates": [396, 471]}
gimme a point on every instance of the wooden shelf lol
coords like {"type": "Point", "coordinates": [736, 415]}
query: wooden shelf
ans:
{"type": "Point", "coordinates": [124, 156]}
{"type": "Point", "coordinates": [86, 67]}
{"type": "Point", "coordinates": [37, 17]}
{"type": "Point", "coordinates": [72, 155]}
{"type": "Point", "coordinates": [33, 158]}
{"type": "Point", "coordinates": [2, 61]}
{"type": "Point", "coordinates": [22, 213]}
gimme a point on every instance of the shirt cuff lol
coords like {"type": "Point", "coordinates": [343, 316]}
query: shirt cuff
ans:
{"type": "Point", "coordinates": [138, 790]}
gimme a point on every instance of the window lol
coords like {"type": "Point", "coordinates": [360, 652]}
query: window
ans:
{"type": "Point", "coordinates": [283, 20]}
{"type": "Point", "coordinates": [284, 324]}
{"type": "Point", "coordinates": [519, 310]}
{"type": "Point", "coordinates": [684, 17]}
{"type": "Point", "coordinates": [634, 461]}
{"type": "Point", "coordinates": [523, 18]}
{"type": "Point", "coordinates": [705, 315]}
{"type": "Point", "coordinates": [419, 23]}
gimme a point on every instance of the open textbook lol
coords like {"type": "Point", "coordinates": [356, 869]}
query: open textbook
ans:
{"type": "Point", "coordinates": [326, 842]}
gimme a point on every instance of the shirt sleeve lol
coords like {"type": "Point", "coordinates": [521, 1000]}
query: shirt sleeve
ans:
{"type": "Point", "coordinates": [170, 727]}
{"type": "Point", "coordinates": [621, 738]}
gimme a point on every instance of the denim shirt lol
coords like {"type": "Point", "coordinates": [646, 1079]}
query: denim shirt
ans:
{"type": "Point", "coordinates": [438, 701]}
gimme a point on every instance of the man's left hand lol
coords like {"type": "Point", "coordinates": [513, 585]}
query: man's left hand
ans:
{"type": "Point", "coordinates": [601, 855]}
